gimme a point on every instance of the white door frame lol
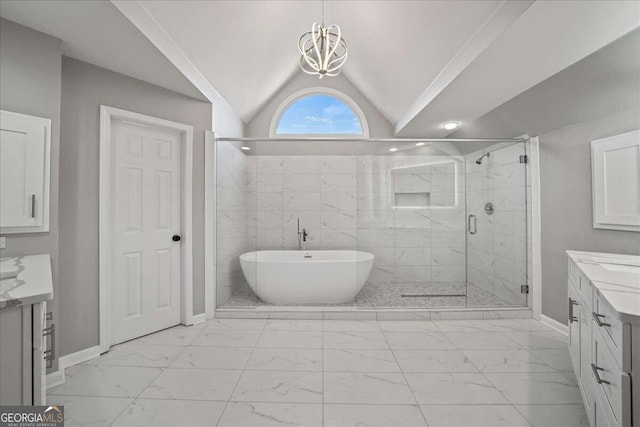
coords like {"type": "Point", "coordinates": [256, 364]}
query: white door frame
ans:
{"type": "Point", "coordinates": [107, 116]}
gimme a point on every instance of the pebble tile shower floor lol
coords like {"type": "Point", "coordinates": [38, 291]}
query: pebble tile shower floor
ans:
{"type": "Point", "coordinates": [255, 372]}
{"type": "Point", "coordinates": [390, 295]}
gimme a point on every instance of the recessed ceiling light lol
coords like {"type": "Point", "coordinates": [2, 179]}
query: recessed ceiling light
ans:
{"type": "Point", "coordinates": [246, 148]}
{"type": "Point", "coordinates": [450, 125]}
{"type": "Point", "coordinates": [393, 149]}
{"type": "Point", "coordinates": [419, 144]}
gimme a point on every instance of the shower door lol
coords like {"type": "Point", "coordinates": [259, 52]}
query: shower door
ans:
{"type": "Point", "coordinates": [497, 253]}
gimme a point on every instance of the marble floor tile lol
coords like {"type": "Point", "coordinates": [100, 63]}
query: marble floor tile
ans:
{"type": "Point", "coordinates": [227, 338]}
{"type": "Point", "coordinates": [193, 384]}
{"type": "Point", "coordinates": [373, 416]}
{"type": "Point", "coordinates": [178, 335]}
{"type": "Point", "coordinates": [107, 381]}
{"type": "Point", "coordinates": [286, 359]}
{"type": "Point", "coordinates": [515, 325]}
{"type": "Point", "coordinates": [243, 414]}
{"type": "Point", "coordinates": [155, 356]}
{"type": "Point", "coordinates": [546, 339]}
{"type": "Point", "coordinates": [279, 386]}
{"type": "Point", "coordinates": [293, 325]}
{"type": "Point", "coordinates": [482, 341]}
{"type": "Point", "coordinates": [557, 358]}
{"type": "Point", "coordinates": [473, 416]}
{"type": "Point", "coordinates": [536, 388]}
{"type": "Point", "coordinates": [416, 341]}
{"type": "Point", "coordinates": [408, 326]}
{"type": "Point", "coordinates": [464, 326]}
{"type": "Point", "coordinates": [372, 388]}
{"type": "Point", "coordinates": [212, 358]}
{"type": "Point", "coordinates": [236, 324]}
{"type": "Point", "coordinates": [350, 326]}
{"type": "Point", "coordinates": [83, 411]}
{"type": "Point", "coordinates": [548, 415]}
{"type": "Point", "coordinates": [454, 388]}
{"type": "Point", "coordinates": [492, 325]}
{"type": "Point", "coordinates": [507, 361]}
{"type": "Point", "coordinates": [362, 340]}
{"type": "Point", "coordinates": [359, 360]}
{"type": "Point", "coordinates": [433, 361]}
{"type": "Point", "coordinates": [290, 339]}
{"type": "Point", "coordinates": [178, 413]}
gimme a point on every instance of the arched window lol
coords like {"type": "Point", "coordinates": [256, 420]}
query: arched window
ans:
{"type": "Point", "coordinates": [319, 112]}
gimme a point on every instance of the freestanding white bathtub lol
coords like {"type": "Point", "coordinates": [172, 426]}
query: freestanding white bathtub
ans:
{"type": "Point", "coordinates": [306, 277]}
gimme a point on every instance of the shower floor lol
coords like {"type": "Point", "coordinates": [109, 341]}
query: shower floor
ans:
{"type": "Point", "coordinates": [390, 295]}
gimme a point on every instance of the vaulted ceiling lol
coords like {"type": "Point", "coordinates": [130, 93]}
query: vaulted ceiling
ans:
{"type": "Point", "coordinates": [420, 63]}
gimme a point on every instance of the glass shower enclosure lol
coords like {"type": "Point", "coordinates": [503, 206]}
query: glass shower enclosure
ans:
{"type": "Point", "coordinates": [445, 220]}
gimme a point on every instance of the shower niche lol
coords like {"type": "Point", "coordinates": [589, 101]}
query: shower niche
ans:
{"type": "Point", "coordinates": [423, 186]}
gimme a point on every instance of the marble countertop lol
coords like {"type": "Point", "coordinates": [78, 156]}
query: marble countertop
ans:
{"type": "Point", "coordinates": [25, 280]}
{"type": "Point", "coordinates": [616, 278]}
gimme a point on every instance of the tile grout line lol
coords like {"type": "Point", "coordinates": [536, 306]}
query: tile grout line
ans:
{"type": "Point", "coordinates": [404, 376]}
{"type": "Point", "coordinates": [162, 370]}
{"type": "Point", "coordinates": [244, 369]}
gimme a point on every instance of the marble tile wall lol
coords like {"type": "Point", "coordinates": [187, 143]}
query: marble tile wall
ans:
{"type": "Point", "coordinates": [231, 211]}
{"type": "Point", "coordinates": [497, 254]}
{"type": "Point", "coordinates": [347, 202]}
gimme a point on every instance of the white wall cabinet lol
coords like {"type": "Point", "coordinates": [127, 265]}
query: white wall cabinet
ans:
{"type": "Point", "coordinates": [615, 170]}
{"type": "Point", "coordinates": [25, 144]}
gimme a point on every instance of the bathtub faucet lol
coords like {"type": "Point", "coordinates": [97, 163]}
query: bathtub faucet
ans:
{"type": "Point", "coordinates": [302, 235]}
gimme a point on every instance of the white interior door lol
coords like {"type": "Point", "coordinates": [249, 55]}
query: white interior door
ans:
{"type": "Point", "coordinates": [146, 187]}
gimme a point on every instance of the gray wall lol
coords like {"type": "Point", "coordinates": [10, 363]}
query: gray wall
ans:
{"type": "Point", "coordinates": [30, 84]}
{"type": "Point", "coordinates": [84, 88]}
{"type": "Point", "coordinates": [565, 179]}
{"type": "Point", "coordinates": [258, 126]}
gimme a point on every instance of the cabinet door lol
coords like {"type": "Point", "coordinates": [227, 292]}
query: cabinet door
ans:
{"type": "Point", "coordinates": [585, 357]}
{"type": "Point", "coordinates": [24, 173]}
{"type": "Point", "coordinates": [15, 356]}
{"type": "Point", "coordinates": [574, 329]}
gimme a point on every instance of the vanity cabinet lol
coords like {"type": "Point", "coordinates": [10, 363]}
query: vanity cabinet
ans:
{"type": "Point", "coordinates": [24, 173]}
{"type": "Point", "coordinates": [604, 335]}
{"type": "Point", "coordinates": [25, 286]}
{"type": "Point", "coordinates": [22, 359]}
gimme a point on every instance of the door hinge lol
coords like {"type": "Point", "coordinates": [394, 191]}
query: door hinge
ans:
{"type": "Point", "coordinates": [524, 158]}
{"type": "Point", "coordinates": [524, 289]}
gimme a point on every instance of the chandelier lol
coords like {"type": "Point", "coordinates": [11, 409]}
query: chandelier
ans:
{"type": "Point", "coordinates": [323, 49]}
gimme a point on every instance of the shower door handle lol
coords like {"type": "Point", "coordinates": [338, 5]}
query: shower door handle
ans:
{"type": "Point", "coordinates": [473, 230]}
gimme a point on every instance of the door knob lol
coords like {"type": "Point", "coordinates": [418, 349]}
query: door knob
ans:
{"type": "Point", "coordinates": [176, 238]}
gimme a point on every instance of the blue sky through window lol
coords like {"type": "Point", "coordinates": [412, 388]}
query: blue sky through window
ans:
{"type": "Point", "coordinates": [319, 115]}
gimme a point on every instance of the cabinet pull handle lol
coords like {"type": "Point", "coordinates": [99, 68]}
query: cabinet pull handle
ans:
{"type": "Point", "coordinates": [33, 206]}
{"type": "Point", "coordinates": [51, 353]}
{"type": "Point", "coordinates": [572, 318]}
{"type": "Point", "coordinates": [475, 224]}
{"type": "Point", "coordinates": [597, 317]}
{"type": "Point", "coordinates": [595, 370]}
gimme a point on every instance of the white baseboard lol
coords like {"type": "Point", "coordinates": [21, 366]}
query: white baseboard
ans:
{"type": "Point", "coordinates": [68, 360]}
{"type": "Point", "coordinates": [554, 324]}
{"type": "Point", "coordinates": [199, 318]}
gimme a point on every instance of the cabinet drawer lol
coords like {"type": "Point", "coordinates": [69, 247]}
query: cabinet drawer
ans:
{"type": "Point", "coordinates": [585, 289]}
{"type": "Point", "coordinates": [610, 381]}
{"type": "Point", "coordinates": [572, 269]}
{"type": "Point", "coordinates": [615, 333]}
